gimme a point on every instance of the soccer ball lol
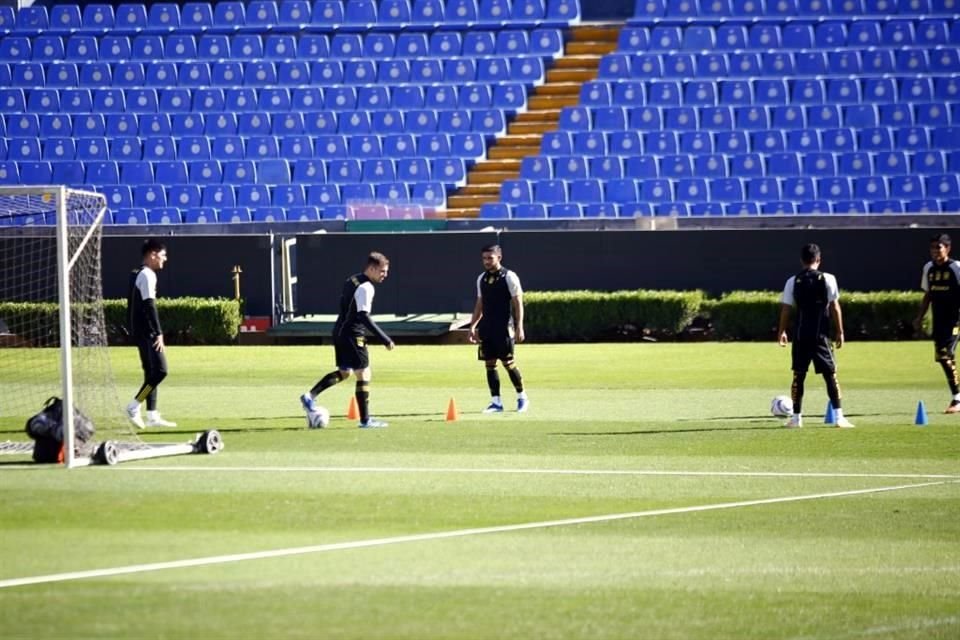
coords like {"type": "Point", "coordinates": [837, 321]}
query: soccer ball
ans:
{"type": "Point", "coordinates": [781, 406]}
{"type": "Point", "coordinates": [318, 418]}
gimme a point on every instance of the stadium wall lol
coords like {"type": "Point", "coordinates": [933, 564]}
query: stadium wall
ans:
{"type": "Point", "coordinates": [435, 272]}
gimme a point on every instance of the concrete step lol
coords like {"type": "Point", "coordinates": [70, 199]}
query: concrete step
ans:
{"type": "Point", "coordinates": [595, 32]}
{"type": "Point", "coordinates": [558, 89]}
{"type": "Point", "coordinates": [515, 153]}
{"type": "Point", "coordinates": [571, 75]}
{"type": "Point", "coordinates": [497, 165]}
{"type": "Point", "coordinates": [469, 202]}
{"type": "Point", "coordinates": [551, 114]}
{"type": "Point", "coordinates": [490, 177]}
{"type": "Point", "coordinates": [517, 140]}
{"type": "Point", "coordinates": [480, 190]}
{"type": "Point", "coordinates": [527, 128]}
{"type": "Point", "coordinates": [548, 102]}
{"type": "Point", "coordinates": [577, 62]}
{"type": "Point", "coordinates": [588, 48]}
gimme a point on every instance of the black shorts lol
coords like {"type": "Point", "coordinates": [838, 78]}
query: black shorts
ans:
{"type": "Point", "coordinates": [945, 343]}
{"type": "Point", "coordinates": [351, 352]}
{"type": "Point", "coordinates": [496, 348]}
{"type": "Point", "coordinates": [153, 362]}
{"type": "Point", "coordinates": [817, 351]}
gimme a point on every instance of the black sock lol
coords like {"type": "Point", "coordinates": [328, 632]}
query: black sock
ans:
{"type": "Point", "coordinates": [796, 391]}
{"type": "Point", "coordinates": [326, 382]}
{"type": "Point", "coordinates": [363, 399]}
{"type": "Point", "coordinates": [515, 376]}
{"type": "Point", "coordinates": [493, 380]}
{"type": "Point", "coordinates": [833, 389]}
{"type": "Point", "coordinates": [950, 370]}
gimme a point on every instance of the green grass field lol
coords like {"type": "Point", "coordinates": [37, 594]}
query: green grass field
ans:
{"type": "Point", "coordinates": [647, 494]}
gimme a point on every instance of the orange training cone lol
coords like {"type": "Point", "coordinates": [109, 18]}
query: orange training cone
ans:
{"type": "Point", "coordinates": [353, 412]}
{"type": "Point", "coordinates": [452, 414]}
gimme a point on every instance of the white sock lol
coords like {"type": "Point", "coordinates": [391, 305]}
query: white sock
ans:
{"type": "Point", "coordinates": [838, 413]}
{"type": "Point", "coordinates": [957, 397]}
{"type": "Point", "coordinates": [495, 400]}
{"type": "Point", "coordinates": [153, 415]}
{"type": "Point", "coordinates": [522, 395]}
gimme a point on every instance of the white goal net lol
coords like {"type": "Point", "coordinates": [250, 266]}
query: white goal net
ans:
{"type": "Point", "coordinates": [53, 329]}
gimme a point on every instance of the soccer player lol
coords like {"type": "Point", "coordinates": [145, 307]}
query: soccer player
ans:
{"type": "Point", "coordinates": [350, 338]}
{"type": "Point", "coordinates": [941, 290]}
{"type": "Point", "coordinates": [496, 322]}
{"type": "Point", "coordinates": [145, 328]}
{"type": "Point", "coordinates": [815, 296]}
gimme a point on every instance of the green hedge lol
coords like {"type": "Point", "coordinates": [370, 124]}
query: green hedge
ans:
{"type": "Point", "coordinates": [738, 315]}
{"type": "Point", "coordinates": [591, 315]}
{"type": "Point", "coordinates": [184, 320]}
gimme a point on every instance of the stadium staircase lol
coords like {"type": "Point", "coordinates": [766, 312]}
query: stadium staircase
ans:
{"type": "Point", "coordinates": [585, 47]}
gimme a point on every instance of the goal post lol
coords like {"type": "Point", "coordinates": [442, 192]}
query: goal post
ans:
{"type": "Point", "coordinates": [53, 327]}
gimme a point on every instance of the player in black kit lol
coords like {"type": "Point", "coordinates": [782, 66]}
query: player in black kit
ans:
{"type": "Point", "coordinates": [497, 323]}
{"type": "Point", "coordinates": [816, 297]}
{"type": "Point", "coordinates": [350, 338]}
{"type": "Point", "coordinates": [941, 291]}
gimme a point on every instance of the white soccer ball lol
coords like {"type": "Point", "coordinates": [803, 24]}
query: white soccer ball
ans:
{"type": "Point", "coordinates": [318, 418]}
{"type": "Point", "coordinates": [781, 406]}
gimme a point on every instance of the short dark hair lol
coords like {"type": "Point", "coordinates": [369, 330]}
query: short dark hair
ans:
{"type": "Point", "coordinates": [492, 248]}
{"type": "Point", "coordinates": [940, 238]}
{"type": "Point", "coordinates": [810, 253]}
{"type": "Point", "coordinates": [377, 259]}
{"type": "Point", "coordinates": [150, 245]}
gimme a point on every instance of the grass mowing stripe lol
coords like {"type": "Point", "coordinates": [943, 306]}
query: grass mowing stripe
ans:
{"type": "Point", "coordinates": [377, 542]}
{"type": "Point", "coordinates": [567, 472]}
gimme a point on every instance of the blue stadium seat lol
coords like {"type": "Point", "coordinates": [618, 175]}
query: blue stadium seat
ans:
{"type": "Point", "coordinates": [629, 94]}
{"type": "Point", "coordinates": [736, 92]}
{"type": "Point", "coordinates": [569, 167]}
{"type": "Point", "coordinates": [46, 48]}
{"type": "Point", "coordinates": [606, 168]}
{"type": "Point", "coordinates": [235, 215]}
{"type": "Point", "coordinates": [698, 38]}
{"type": "Point", "coordinates": [696, 142]}
{"type": "Point", "coordinates": [32, 172]}
{"type": "Point", "coordinates": [640, 167]}
{"type": "Point", "coordinates": [586, 191]}
{"type": "Point", "coordinates": [98, 149]}
{"type": "Point", "coordinates": [148, 195]}
{"type": "Point", "coordinates": [219, 196]}
{"type": "Point", "coordinates": [656, 190]}
{"type": "Point", "coordinates": [676, 166]}
{"type": "Point", "coordinates": [916, 89]}
{"type": "Point", "coordinates": [163, 17]}
{"type": "Point", "coordinates": [413, 170]}
{"type": "Point", "coordinates": [199, 215]}
{"type": "Point", "coordinates": [253, 195]}
{"type": "Point", "coordinates": [692, 190]}
{"type": "Point", "coordinates": [534, 210]}
{"type": "Point", "coordinates": [204, 172]}
{"type": "Point", "coordinates": [327, 13]}
{"type": "Point", "coordinates": [731, 36]}
{"type": "Point", "coordinates": [646, 65]}
{"type": "Point", "coordinates": [427, 12]}
{"type": "Point", "coordinates": [516, 191]}
{"type": "Point", "coordinates": [130, 18]}
{"type": "Point", "coordinates": [294, 13]}
{"type": "Point", "coordinates": [590, 143]}
{"type": "Point", "coordinates": [550, 191]}
{"type": "Point", "coordinates": [621, 190]}
{"type": "Point", "coordinates": [262, 15]}
{"type": "Point", "coordinates": [398, 146]}
{"type": "Point", "coordinates": [27, 125]}
{"type": "Point", "coordinates": [494, 210]}
{"type": "Point", "coordinates": [713, 65]}
{"type": "Point", "coordinates": [665, 38]}
{"type": "Point", "coordinates": [97, 18]}
{"type": "Point", "coordinates": [303, 214]}
{"type": "Point", "coordinates": [768, 141]}
{"type": "Point", "coordinates": [360, 12]}
{"type": "Point", "coordinates": [479, 43]}
{"type": "Point", "coordinates": [184, 196]}
{"type": "Point", "coordinates": [751, 118]}
{"type": "Point", "coordinates": [764, 36]}
{"type": "Point", "coordinates": [912, 138]}
{"type": "Point", "coordinates": [746, 64]}
{"type": "Point", "coordinates": [928, 162]}
{"type": "Point", "coordinates": [63, 19]}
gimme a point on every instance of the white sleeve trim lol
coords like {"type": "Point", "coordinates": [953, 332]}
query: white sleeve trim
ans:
{"type": "Point", "coordinates": [923, 278]}
{"type": "Point", "coordinates": [513, 284]}
{"type": "Point", "coordinates": [833, 291]}
{"type": "Point", "coordinates": [147, 284]}
{"type": "Point", "coordinates": [364, 297]}
{"type": "Point", "coordinates": [787, 296]}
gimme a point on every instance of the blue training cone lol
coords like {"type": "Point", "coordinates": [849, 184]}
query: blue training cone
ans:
{"type": "Point", "coordinates": [829, 416]}
{"type": "Point", "coordinates": [921, 419]}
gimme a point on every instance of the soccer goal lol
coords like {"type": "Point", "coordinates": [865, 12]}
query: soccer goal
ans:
{"type": "Point", "coordinates": [54, 332]}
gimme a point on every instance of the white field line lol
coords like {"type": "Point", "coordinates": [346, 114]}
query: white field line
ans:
{"type": "Point", "coordinates": [441, 535]}
{"type": "Point", "coordinates": [561, 472]}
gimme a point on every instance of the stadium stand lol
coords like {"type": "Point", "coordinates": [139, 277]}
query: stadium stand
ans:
{"type": "Point", "coordinates": [276, 111]}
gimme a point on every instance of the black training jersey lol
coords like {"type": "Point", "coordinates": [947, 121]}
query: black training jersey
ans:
{"type": "Point", "coordinates": [811, 292]}
{"type": "Point", "coordinates": [496, 291]}
{"type": "Point", "coordinates": [356, 296]}
{"type": "Point", "coordinates": [942, 285]}
{"type": "Point", "coordinates": [141, 304]}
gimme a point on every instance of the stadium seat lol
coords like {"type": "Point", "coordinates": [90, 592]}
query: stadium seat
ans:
{"type": "Point", "coordinates": [98, 149]}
